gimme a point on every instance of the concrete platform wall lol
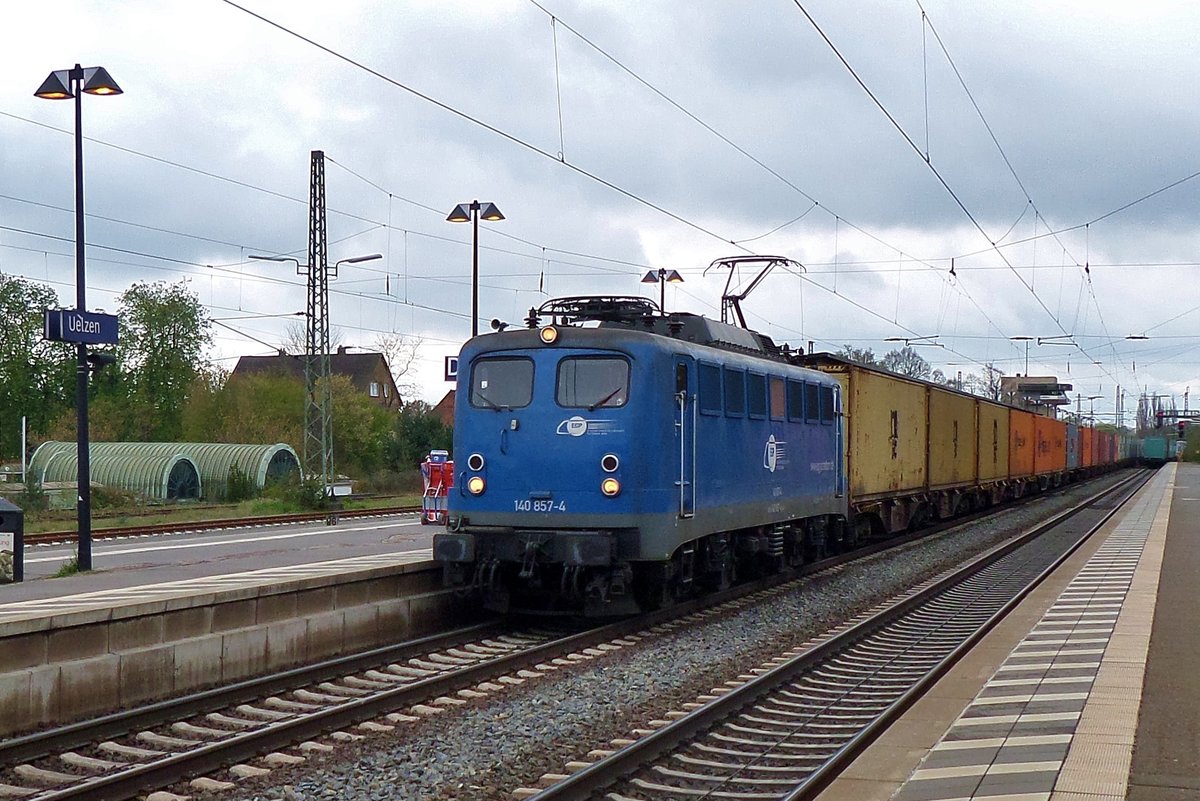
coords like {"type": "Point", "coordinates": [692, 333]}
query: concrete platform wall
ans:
{"type": "Point", "coordinates": [79, 665]}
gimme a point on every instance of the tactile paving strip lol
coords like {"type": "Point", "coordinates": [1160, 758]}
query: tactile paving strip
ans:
{"type": "Point", "coordinates": [1031, 733]}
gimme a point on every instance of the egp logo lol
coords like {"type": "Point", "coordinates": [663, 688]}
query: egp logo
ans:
{"type": "Point", "coordinates": [771, 454]}
{"type": "Point", "coordinates": [573, 426]}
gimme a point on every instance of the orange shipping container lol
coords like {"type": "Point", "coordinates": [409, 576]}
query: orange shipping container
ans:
{"type": "Point", "coordinates": [1051, 453]}
{"type": "Point", "coordinates": [1087, 447]}
{"type": "Point", "coordinates": [1022, 441]}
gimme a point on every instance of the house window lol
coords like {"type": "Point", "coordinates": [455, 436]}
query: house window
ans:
{"type": "Point", "coordinates": [374, 389]}
{"type": "Point", "coordinates": [387, 391]}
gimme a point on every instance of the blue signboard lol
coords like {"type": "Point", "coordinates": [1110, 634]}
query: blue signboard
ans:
{"type": "Point", "coordinates": [88, 328]}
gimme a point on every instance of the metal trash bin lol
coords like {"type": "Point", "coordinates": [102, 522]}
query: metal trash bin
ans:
{"type": "Point", "coordinates": [12, 542]}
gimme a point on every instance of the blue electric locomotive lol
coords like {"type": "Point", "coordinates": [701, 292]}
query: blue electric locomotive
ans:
{"type": "Point", "coordinates": [619, 458]}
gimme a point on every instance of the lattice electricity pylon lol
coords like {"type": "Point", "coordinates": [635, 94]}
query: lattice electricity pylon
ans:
{"type": "Point", "coordinates": [318, 405]}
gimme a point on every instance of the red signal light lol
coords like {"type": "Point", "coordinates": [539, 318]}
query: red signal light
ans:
{"type": "Point", "coordinates": [1182, 428]}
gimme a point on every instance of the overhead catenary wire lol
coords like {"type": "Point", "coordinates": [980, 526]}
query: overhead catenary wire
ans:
{"type": "Point", "coordinates": [929, 164]}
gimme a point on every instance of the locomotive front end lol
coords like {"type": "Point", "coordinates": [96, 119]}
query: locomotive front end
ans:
{"type": "Point", "coordinates": [543, 513]}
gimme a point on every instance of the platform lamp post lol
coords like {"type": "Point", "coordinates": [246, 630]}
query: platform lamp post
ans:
{"type": "Point", "coordinates": [62, 85]}
{"type": "Point", "coordinates": [662, 277]}
{"type": "Point", "coordinates": [471, 212]}
{"type": "Point", "coordinates": [1092, 410]}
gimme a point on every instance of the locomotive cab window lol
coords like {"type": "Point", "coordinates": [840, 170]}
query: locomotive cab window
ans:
{"type": "Point", "coordinates": [501, 383]}
{"type": "Point", "coordinates": [592, 382]}
{"type": "Point", "coordinates": [812, 402]}
{"type": "Point", "coordinates": [795, 401]}
{"type": "Point", "coordinates": [827, 410]}
{"type": "Point", "coordinates": [778, 398]}
{"type": "Point", "coordinates": [709, 376]}
{"type": "Point", "coordinates": [756, 395]}
{"type": "Point", "coordinates": [735, 392]}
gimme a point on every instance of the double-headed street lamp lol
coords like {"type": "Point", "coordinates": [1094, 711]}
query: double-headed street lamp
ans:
{"type": "Point", "coordinates": [61, 85]}
{"type": "Point", "coordinates": [471, 212]}
{"type": "Point", "coordinates": [662, 277]}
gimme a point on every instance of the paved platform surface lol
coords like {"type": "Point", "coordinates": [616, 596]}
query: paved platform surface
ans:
{"type": "Point", "coordinates": [1090, 691]}
{"type": "Point", "coordinates": [162, 567]}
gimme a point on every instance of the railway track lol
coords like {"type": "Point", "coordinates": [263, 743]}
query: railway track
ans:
{"type": "Point", "coordinates": [52, 537]}
{"type": "Point", "coordinates": [786, 733]}
{"type": "Point", "coordinates": [126, 754]}
{"type": "Point", "coordinates": [123, 755]}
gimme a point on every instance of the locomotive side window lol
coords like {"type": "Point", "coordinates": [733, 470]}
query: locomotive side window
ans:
{"type": "Point", "coordinates": [592, 382]}
{"type": "Point", "coordinates": [709, 377]}
{"type": "Point", "coordinates": [756, 395]}
{"type": "Point", "coordinates": [812, 402]}
{"type": "Point", "coordinates": [795, 401]}
{"type": "Point", "coordinates": [827, 411]}
{"type": "Point", "coordinates": [778, 398]}
{"type": "Point", "coordinates": [735, 392]}
{"type": "Point", "coordinates": [501, 383]}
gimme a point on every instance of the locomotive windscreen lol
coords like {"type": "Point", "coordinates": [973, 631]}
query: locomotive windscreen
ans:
{"type": "Point", "coordinates": [592, 381]}
{"type": "Point", "coordinates": [502, 383]}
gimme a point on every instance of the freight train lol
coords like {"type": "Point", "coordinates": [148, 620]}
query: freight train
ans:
{"type": "Point", "coordinates": [612, 458]}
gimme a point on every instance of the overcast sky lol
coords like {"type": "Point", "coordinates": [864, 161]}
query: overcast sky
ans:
{"type": "Point", "coordinates": [621, 137]}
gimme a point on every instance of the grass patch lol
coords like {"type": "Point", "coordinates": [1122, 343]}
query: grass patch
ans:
{"type": "Point", "coordinates": [69, 568]}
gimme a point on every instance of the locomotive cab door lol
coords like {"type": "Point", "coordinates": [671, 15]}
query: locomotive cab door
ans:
{"type": "Point", "coordinates": [685, 433]}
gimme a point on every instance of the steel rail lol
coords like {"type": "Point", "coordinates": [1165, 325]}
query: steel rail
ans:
{"type": "Point", "coordinates": [240, 746]}
{"type": "Point", "coordinates": [585, 783]}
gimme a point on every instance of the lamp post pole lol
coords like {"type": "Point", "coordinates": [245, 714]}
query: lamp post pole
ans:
{"type": "Point", "coordinates": [662, 276]}
{"type": "Point", "coordinates": [60, 85]}
{"type": "Point", "coordinates": [471, 212]}
{"type": "Point", "coordinates": [474, 268]}
{"type": "Point", "coordinates": [84, 501]}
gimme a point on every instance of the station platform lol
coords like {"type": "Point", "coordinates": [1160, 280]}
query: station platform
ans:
{"type": "Point", "coordinates": [88, 644]}
{"type": "Point", "coordinates": [1089, 691]}
{"type": "Point", "coordinates": [199, 561]}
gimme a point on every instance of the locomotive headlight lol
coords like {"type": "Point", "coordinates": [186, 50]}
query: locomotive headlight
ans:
{"type": "Point", "coordinates": [548, 335]}
{"type": "Point", "coordinates": [610, 487]}
{"type": "Point", "coordinates": [475, 461]}
{"type": "Point", "coordinates": [475, 485]}
{"type": "Point", "coordinates": [609, 463]}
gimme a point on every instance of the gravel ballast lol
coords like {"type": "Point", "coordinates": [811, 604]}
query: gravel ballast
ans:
{"type": "Point", "coordinates": [484, 750]}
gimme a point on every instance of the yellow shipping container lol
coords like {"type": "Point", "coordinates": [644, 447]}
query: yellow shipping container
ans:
{"type": "Point", "coordinates": [993, 441]}
{"type": "Point", "coordinates": [886, 425]}
{"type": "Point", "coordinates": [952, 438]}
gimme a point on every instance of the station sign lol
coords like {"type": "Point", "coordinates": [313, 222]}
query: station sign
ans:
{"type": "Point", "coordinates": [85, 328]}
{"type": "Point", "coordinates": [451, 368]}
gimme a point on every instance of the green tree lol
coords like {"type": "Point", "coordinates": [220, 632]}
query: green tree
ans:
{"type": "Point", "coordinates": [360, 429]}
{"type": "Point", "coordinates": [257, 407]}
{"type": "Point", "coordinates": [37, 378]}
{"type": "Point", "coordinates": [415, 432]}
{"type": "Point", "coordinates": [269, 407]}
{"type": "Point", "coordinates": [165, 332]}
